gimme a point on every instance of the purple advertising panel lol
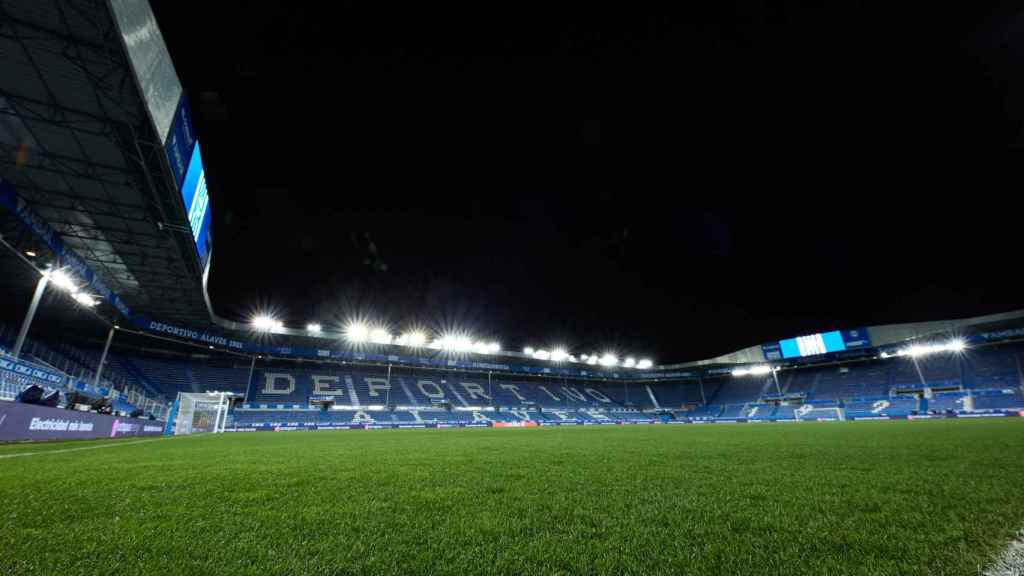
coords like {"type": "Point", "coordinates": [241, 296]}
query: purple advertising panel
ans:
{"type": "Point", "coordinates": [28, 422]}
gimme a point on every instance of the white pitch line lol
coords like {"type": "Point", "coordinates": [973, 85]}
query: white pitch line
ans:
{"type": "Point", "coordinates": [1011, 563]}
{"type": "Point", "coordinates": [19, 455]}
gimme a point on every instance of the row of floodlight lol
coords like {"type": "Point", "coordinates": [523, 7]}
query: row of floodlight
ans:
{"type": "Point", "coordinates": [607, 359]}
{"type": "Point", "coordinates": [361, 333]}
{"type": "Point", "coordinates": [917, 350]}
{"type": "Point", "coordinates": [759, 370]}
{"type": "Point", "coordinates": [62, 280]}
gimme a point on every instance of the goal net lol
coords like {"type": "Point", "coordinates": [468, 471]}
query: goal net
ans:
{"type": "Point", "coordinates": [197, 413]}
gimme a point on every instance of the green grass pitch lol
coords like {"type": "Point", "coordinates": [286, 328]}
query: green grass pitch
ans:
{"type": "Point", "coordinates": [936, 497]}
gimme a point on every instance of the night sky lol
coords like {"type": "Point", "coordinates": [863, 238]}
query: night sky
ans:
{"type": "Point", "coordinates": [676, 186]}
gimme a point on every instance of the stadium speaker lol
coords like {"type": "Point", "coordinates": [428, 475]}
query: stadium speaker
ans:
{"type": "Point", "coordinates": [135, 413]}
{"type": "Point", "coordinates": [50, 399]}
{"type": "Point", "coordinates": [31, 395]}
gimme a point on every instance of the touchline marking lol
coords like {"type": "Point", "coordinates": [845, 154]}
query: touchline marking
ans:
{"type": "Point", "coordinates": [1011, 563]}
{"type": "Point", "coordinates": [79, 448]}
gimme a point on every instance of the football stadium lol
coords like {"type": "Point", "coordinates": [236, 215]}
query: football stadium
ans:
{"type": "Point", "coordinates": [141, 432]}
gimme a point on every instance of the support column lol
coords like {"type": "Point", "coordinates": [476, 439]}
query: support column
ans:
{"type": "Point", "coordinates": [920, 375]}
{"type": "Point", "coordinates": [40, 288]}
{"type": "Point", "coordinates": [248, 383]}
{"type": "Point", "coordinates": [387, 392]}
{"type": "Point", "coordinates": [103, 358]}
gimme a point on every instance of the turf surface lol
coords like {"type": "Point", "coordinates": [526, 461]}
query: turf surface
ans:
{"type": "Point", "coordinates": [938, 497]}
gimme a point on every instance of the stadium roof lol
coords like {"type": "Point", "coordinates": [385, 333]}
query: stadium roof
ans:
{"type": "Point", "coordinates": [887, 335]}
{"type": "Point", "coordinates": [78, 148]}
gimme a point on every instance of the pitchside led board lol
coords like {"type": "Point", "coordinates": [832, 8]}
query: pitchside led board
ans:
{"type": "Point", "coordinates": [815, 344]}
{"type": "Point", "coordinates": [187, 166]}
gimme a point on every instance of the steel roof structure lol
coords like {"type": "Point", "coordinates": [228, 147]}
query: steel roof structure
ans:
{"type": "Point", "coordinates": [78, 148]}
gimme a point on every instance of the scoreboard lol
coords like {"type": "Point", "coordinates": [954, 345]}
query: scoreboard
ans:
{"type": "Point", "coordinates": [817, 344]}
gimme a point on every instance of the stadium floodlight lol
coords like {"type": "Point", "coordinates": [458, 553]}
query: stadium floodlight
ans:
{"type": "Point", "coordinates": [61, 279]}
{"type": "Point", "coordinates": [644, 364]}
{"type": "Point", "coordinates": [415, 339]}
{"type": "Point", "coordinates": [84, 299]}
{"type": "Point", "coordinates": [265, 322]}
{"type": "Point", "coordinates": [542, 355]}
{"type": "Point", "coordinates": [629, 362]}
{"type": "Point", "coordinates": [572, 358]}
{"type": "Point", "coordinates": [481, 347]}
{"type": "Point", "coordinates": [380, 336]}
{"type": "Point", "coordinates": [758, 370]}
{"type": "Point", "coordinates": [559, 355]}
{"type": "Point", "coordinates": [30, 254]}
{"type": "Point", "coordinates": [584, 357]}
{"type": "Point", "coordinates": [917, 350]}
{"type": "Point", "coordinates": [456, 343]}
{"type": "Point", "coordinates": [357, 332]}
{"type": "Point", "coordinates": [493, 348]}
{"type": "Point", "coordinates": [592, 359]}
{"type": "Point", "coordinates": [609, 359]}
{"type": "Point", "coordinates": [528, 351]}
{"type": "Point", "coordinates": [313, 327]}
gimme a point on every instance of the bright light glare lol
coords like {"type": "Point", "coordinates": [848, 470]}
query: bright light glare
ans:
{"type": "Point", "coordinates": [644, 364]}
{"type": "Point", "coordinates": [629, 362]}
{"type": "Point", "coordinates": [494, 347]}
{"type": "Point", "coordinates": [528, 351]}
{"type": "Point", "coordinates": [61, 279]}
{"type": "Point", "coordinates": [454, 343]}
{"type": "Point", "coordinates": [84, 299]}
{"type": "Point", "coordinates": [412, 339]}
{"type": "Point", "coordinates": [753, 370]}
{"type": "Point", "coordinates": [918, 350]}
{"type": "Point", "coordinates": [559, 355]}
{"type": "Point", "coordinates": [265, 322]}
{"type": "Point", "coordinates": [592, 359]}
{"type": "Point", "coordinates": [542, 355]}
{"type": "Point", "coordinates": [380, 336]}
{"type": "Point", "coordinates": [313, 327]}
{"type": "Point", "coordinates": [357, 332]}
{"type": "Point", "coordinates": [609, 360]}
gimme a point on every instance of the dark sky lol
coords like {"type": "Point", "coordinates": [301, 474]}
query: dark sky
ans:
{"type": "Point", "coordinates": [679, 186]}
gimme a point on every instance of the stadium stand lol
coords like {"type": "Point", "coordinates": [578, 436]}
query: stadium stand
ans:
{"type": "Point", "coordinates": [980, 380]}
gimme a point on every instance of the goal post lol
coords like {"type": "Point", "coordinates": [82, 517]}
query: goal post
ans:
{"type": "Point", "coordinates": [197, 413]}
